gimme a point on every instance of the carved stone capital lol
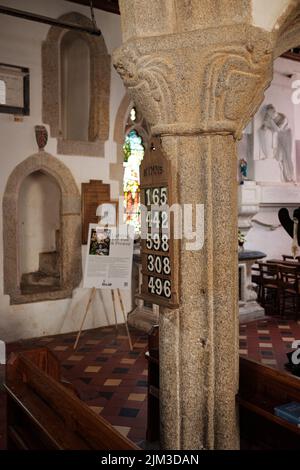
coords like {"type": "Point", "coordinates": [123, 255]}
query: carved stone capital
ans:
{"type": "Point", "coordinates": [200, 82]}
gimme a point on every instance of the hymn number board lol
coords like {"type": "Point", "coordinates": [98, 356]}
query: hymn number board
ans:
{"type": "Point", "coordinates": [158, 272]}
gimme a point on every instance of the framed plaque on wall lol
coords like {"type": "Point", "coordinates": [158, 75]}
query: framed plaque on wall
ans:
{"type": "Point", "coordinates": [93, 194]}
{"type": "Point", "coordinates": [14, 89]}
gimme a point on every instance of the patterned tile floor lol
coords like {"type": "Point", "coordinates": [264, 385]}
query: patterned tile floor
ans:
{"type": "Point", "coordinates": [112, 380]}
{"type": "Point", "coordinates": [109, 378]}
{"type": "Point", "coordinates": [268, 340]}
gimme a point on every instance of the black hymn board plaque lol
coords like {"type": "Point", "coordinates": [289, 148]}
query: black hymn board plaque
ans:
{"type": "Point", "coordinates": [159, 272]}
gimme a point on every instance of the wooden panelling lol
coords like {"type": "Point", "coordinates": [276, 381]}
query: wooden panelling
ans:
{"type": "Point", "coordinates": [93, 194]}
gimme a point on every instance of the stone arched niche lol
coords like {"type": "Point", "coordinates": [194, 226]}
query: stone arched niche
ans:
{"type": "Point", "coordinates": [59, 50]}
{"type": "Point", "coordinates": [70, 229]}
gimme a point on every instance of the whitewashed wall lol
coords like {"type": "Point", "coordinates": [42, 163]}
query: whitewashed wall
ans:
{"type": "Point", "coordinates": [39, 218]}
{"type": "Point", "coordinates": [265, 13]}
{"type": "Point", "coordinates": [20, 44]}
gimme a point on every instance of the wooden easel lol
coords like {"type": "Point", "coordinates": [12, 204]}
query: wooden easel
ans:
{"type": "Point", "coordinates": [92, 294]}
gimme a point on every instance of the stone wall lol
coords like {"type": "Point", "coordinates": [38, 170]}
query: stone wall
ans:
{"type": "Point", "coordinates": [21, 44]}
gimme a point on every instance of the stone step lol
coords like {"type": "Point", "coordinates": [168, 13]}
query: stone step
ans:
{"type": "Point", "coordinates": [39, 279]}
{"type": "Point", "coordinates": [37, 289]}
{"type": "Point", "coordinates": [48, 262]}
{"type": "Point", "coordinates": [142, 319]}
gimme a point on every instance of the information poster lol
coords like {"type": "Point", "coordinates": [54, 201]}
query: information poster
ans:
{"type": "Point", "coordinates": [109, 255]}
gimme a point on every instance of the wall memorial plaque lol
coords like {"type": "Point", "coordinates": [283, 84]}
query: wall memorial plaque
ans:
{"type": "Point", "coordinates": [159, 272]}
{"type": "Point", "coordinates": [93, 194]}
{"type": "Point", "coordinates": [14, 89]}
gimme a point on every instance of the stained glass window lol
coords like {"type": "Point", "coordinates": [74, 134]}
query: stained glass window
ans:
{"type": "Point", "coordinates": [134, 150]}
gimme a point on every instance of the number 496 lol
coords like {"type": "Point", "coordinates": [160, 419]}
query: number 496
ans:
{"type": "Point", "coordinates": [159, 287]}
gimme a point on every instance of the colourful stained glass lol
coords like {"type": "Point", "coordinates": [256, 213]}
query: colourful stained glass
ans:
{"type": "Point", "coordinates": [133, 155]}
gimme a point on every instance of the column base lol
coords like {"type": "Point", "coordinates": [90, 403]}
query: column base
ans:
{"type": "Point", "coordinates": [250, 311]}
{"type": "Point", "coordinates": [143, 319]}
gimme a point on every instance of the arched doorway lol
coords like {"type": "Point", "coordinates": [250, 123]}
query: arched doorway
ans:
{"type": "Point", "coordinates": [39, 227]}
{"type": "Point", "coordinates": [45, 176]}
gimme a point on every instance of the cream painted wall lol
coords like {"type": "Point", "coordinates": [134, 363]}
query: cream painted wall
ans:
{"type": "Point", "coordinates": [39, 218]}
{"type": "Point", "coordinates": [265, 13]}
{"type": "Point", "coordinates": [75, 65]}
{"type": "Point", "coordinates": [20, 44]}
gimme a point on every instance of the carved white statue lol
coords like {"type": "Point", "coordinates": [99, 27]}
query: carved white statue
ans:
{"type": "Point", "coordinates": [275, 138]}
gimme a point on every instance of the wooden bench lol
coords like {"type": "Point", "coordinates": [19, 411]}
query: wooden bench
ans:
{"type": "Point", "coordinates": [44, 413]}
{"type": "Point", "coordinates": [153, 385]}
{"type": "Point", "coordinates": [260, 390]}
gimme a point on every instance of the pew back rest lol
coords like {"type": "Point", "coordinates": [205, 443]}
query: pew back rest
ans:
{"type": "Point", "coordinates": [39, 374]}
{"type": "Point", "coordinates": [267, 386]}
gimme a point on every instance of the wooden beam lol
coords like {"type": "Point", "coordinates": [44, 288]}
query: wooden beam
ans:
{"type": "Point", "coordinates": [107, 5]}
{"type": "Point", "coordinates": [26, 15]}
{"type": "Point", "coordinates": [292, 55]}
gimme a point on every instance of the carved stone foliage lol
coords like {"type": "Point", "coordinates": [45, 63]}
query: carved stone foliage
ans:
{"type": "Point", "coordinates": [148, 81]}
{"type": "Point", "coordinates": [233, 88]}
{"type": "Point", "coordinates": [99, 86]}
{"type": "Point", "coordinates": [196, 82]}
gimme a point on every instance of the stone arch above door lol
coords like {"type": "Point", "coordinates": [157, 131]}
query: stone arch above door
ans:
{"type": "Point", "coordinates": [70, 213]}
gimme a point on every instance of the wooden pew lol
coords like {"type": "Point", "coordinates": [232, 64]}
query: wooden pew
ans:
{"type": "Point", "coordinates": [2, 409]}
{"type": "Point", "coordinates": [44, 413]}
{"type": "Point", "coordinates": [261, 389]}
{"type": "Point", "coordinates": [153, 385]}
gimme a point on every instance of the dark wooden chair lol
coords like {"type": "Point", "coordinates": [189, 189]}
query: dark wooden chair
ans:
{"type": "Point", "coordinates": [269, 279]}
{"type": "Point", "coordinates": [289, 279]}
{"type": "Point", "coordinates": [290, 258]}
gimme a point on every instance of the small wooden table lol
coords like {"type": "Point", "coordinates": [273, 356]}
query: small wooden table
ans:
{"type": "Point", "coordinates": [284, 263]}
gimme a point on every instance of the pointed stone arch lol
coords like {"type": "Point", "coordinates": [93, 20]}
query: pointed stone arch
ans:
{"type": "Point", "coordinates": [70, 223]}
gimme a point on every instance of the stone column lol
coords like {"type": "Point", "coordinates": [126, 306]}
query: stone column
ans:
{"type": "Point", "coordinates": [197, 90]}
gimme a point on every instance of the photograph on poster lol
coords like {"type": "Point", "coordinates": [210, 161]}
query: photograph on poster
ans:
{"type": "Point", "coordinates": [100, 242]}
